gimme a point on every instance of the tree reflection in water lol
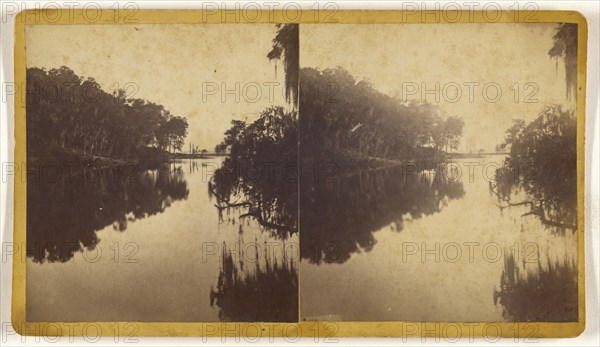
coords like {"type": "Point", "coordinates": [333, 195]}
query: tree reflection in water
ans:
{"type": "Point", "coordinates": [269, 291]}
{"type": "Point", "coordinates": [546, 293]}
{"type": "Point", "coordinates": [540, 173]}
{"type": "Point", "coordinates": [266, 291]}
{"type": "Point", "coordinates": [259, 177]}
{"type": "Point", "coordinates": [340, 216]}
{"type": "Point", "coordinates": [64, 215]}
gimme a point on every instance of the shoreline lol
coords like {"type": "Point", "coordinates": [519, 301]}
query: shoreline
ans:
{"type": "Point", "coordinates": [79, 161]}
{"type": "Point", "coordinates": [341, 162]}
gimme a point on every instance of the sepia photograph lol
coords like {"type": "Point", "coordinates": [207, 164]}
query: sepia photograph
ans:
{"type": "Point", "coordinates": [311, 177]}
{"type": "Point", "coordinates": [157, 162]}
{"type": "Point", "coordinates": [447, 156]}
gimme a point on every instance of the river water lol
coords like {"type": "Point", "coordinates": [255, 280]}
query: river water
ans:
{"type": "Point", "coordinates": [403, 243]}
{"type": "Point", "coordinates": [149, 245]}
{"type": "Point", "coordinates": [396, 245]}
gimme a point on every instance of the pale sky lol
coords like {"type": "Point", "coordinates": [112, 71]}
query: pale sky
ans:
{"type": "Point", "coordinates": [171, 65]}
{"type": "Point", "coordinates": [392, 56]}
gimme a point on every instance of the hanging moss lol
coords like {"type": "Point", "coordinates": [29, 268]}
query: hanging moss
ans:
{"type": "Point", "coordinates": [565, 47]}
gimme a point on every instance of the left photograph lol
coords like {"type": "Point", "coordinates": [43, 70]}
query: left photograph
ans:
{"type": "Point", "coordinates": [162, 173]}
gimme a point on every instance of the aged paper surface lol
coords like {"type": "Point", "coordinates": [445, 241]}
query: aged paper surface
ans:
{"type": "Point", "coordinates": [185, 169]}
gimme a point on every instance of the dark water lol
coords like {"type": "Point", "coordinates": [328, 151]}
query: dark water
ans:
{"type": "Point", "coordinates": [149, 245]}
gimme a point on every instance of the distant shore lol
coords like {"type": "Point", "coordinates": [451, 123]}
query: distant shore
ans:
{"type": "Point", "coordinates": [476, 155]}
{"type": "Point", "coordinates": [335, 162]}
{"type": "Point", "coordinates": [195, 156]}
{"type": "Point", "coordinates": [343, 162]}
{"type": "Point", "coordinates": [78, 161]}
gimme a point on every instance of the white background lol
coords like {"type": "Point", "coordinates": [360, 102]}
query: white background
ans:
{"type": "Point", "coordinates": [590, 9]}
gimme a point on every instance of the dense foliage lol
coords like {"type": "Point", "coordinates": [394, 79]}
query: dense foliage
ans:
{"type": "Point", "coordinates": [68, 112]}
{"type": "Point", "coordinates": [340, 113]}
{"type": "Point", "coordinates": [260, 173]}
{"type": "Point", "coordinates": [543, 163]}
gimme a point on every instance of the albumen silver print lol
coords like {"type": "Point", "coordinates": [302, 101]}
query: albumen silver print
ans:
{"type": "Point", "coordinates": [350, 175]}
{"type": "Point", "coordinates": [455, 191]}
{"type": "Point", "coordinates": [154, 214]}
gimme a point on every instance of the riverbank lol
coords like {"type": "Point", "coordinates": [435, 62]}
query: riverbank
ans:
{"type": "Point", "coordinates": [328, 162]}
{"type": "Point", "coordinates": [341, 162]}
{"type": "Point", "coordinates": [476, 155]}
{"type": "Point", "coordinates": [78, 161]}
{"type": "Point", "coordinates": [195, 156]}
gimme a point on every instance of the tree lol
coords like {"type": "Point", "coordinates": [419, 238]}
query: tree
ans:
{"type": "Point", "coordinates": [565, 47]}
{"type": "Point", "coordinates": [512, 134]}
{"type": "Point", "coordinates": [77, 116]}
{"type": "Point", "coordinates": [233, 135]}
{"type": "Point", "coordinates": [249, 180]}
{"type": "Point", "coordinates": [171, 134]}
{"type": "Point", "coordinates": [177, 131]}
{"type": "Point", "coordinates": [220, 148]}
{"type": "Point", "coordinates": [542, 163]}
{"type": "Point", "coordinates": [286, 48]}
{"type": "Point", "coordinates": [340, 114]}
{"type": "Point", "coordinates": [453, 130]}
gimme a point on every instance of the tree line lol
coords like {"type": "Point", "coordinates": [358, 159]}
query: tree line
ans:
{"type": "Point", "coordinates": [337, 112]}
{"type": "Point", "coordinates": [66, 112]}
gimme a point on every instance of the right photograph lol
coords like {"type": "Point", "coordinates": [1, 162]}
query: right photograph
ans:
{"type": "Point", "coordinates": [438, 172]}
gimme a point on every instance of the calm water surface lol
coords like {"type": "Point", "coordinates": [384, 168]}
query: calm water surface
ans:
{"type": "Point", "coordinates": [391, 245]}
{"type": "Point", "coordinates": [150, 246]}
